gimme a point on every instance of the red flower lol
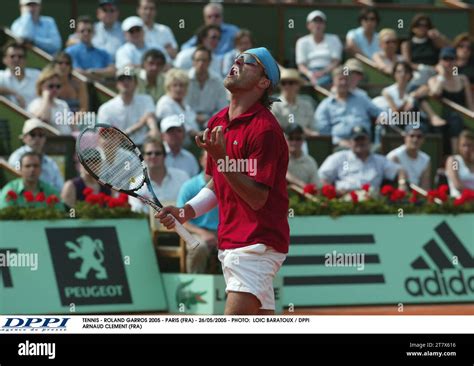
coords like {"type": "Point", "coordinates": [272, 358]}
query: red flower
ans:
{"type": "Point", "coordinates": [310, 189]}
{"type": "Point", "coordinates": [40, 197]}
{"type": "Point", "coordinates": [93, 199]}
{"type": "Point", "coordinates": [413, 197]}
{"type": "Point", "coordinates": [387, 190]}
{"type": "Point", "coordinates": [397, 195]}
{"type": "Point", "coordinates": [443, 188]}
{"type": "Point", "coordinates": [87, 191]}
{"type": "Point", "coordinates": [52, 200]}
{"type": "Point", "coordinates": [28, 196]}
{"type": "Point", "coordinates": [432, 194]}
{"type": "Point", "coordinates": [366, 187]}
{"type": "Point", "coordinates": [11, 196]}
{"type": "Point", "coordinates": [354, 197]}
{"type": "Point", "coordinates": [123, 198]}
{"type": "Point", "coordinates": [459, 201]}
{"type": "Point", "coordinates": [467, 194]}
{"type": "Point", "coordinates": [328, 191]}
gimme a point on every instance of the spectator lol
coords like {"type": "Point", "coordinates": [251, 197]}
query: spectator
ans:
{"type": "Point", "coordinates": [47, 106]}
{"type": "Point", "coordinates": [73, 91]}
{"type": "Point", "coordinates": [108, 34]}
{"type": "Point", "coordinates": [174, 101]}
{"type": "Point", "coordinates": [293, 108]}
{"type": "Point", "coordinates": [214, 15]}
{"type": "Point", "coordinates": [130, 112]}
{"type": "Point", "coordinates": [365, 39]}
{"type": "Point", "coordinates": [206, 93]}
{"type": "Point", "coordinates": [386, 58]}
{"type": "Point", "coordinates": [302, 168]}
{"type": "Point", "coordinates": [208, 37]}
{"type": "Point", "coordinates": [34, 136]}
{"type": "Point", "coordinates": [204, 227]}
{"type": "Point", "coordinates": [157, 35]}
{"type": "Point", "coordinates": [17, 81]}
{"type": "Point", "coordinates": [91, 61]}
{"type": "Point", "coordinates": [29, 190]}
{"type": "Point", "coordinates": [318, 53]}
{"type": "Point", "coordinates": [350, 169]}
{"type": "Point", "coordinates": [32, 27]}
{"type": "Point", "coordinates": [151, 78]}
{"type": "Point", "coordinates": [172, 129]}
{"type": "Point", "coordinates": [73, 190]}
{"type": "Point", "coordinates": [464, 58]}
{"type": "Point", "coordinates": [450, 85]}
{"type": "Point", "coordinates": [243, 41]}
{"type": "Point", "coordinates": [337, 114]}
{"type": "Point", "coordinates": [460, 167]}
{"type": "Point", "coordinates": [422, 49]}
{"type": "Point", "coordinates": [416, 163]}
{"type": "Point", "coordinates": [165, 181]}
{"type": "Point", "coordinates": [355, 70]}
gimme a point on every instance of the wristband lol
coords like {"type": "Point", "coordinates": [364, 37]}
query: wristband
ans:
{"type": "Point", "coordinates": [203, 202]}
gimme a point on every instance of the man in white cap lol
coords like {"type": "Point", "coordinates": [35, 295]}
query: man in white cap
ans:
{"type": "Point", "coordinates": [34, 135]}
{"type": "Point", "coordinates": [253, 232]}
{"type": "Point", "coordinates": [132, 113]}
{"type": "Point", "coordinates": [173, 132]}
{"type": "Point", "coordinates": [131, 53]}
{"type": "Point", "coordinates": [40, 30]}
{"type": "Point", "coordinates": [318, 53]}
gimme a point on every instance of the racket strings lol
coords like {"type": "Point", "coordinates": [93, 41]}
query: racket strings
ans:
{"type": "Point", "coordinates": [110, 156]}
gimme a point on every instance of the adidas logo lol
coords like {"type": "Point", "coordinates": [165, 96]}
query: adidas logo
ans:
{"type": "Point", "coordinates": [451, 254]}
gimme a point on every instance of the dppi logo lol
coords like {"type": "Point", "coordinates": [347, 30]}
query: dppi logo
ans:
{"type": "Point", "coordinates": [43, 324]}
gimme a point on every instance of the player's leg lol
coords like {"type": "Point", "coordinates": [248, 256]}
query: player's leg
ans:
{"type": "Point", "coordinates": [241, 303]}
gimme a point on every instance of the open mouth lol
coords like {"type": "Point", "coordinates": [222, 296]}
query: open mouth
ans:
{"type": "Point", "coordinates": [234, 71]}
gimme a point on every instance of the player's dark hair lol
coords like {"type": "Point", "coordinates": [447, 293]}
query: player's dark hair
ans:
{"type": "Point", "coordinates": [31, 153]}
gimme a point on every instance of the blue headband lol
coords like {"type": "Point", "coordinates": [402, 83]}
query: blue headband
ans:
{"type": "Point", "coordinates": [271, 67]}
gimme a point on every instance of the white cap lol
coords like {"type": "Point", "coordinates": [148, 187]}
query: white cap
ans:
{"type": "Point", "coordinates": [170, 122]}
{"type": "Point", "coordinates": [314, 14]}
{"type": "Point", "coordinates": [131, 22]}
{"type": "Point", "coordinates": [34, 123]}
{"type": "Point", "coordinates": [24, 2]}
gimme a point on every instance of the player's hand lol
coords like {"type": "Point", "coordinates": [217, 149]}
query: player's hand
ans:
{"type": "Point", "coordinates": [182, 214]}
{"type": "Point", "coordinates": [213, 142]}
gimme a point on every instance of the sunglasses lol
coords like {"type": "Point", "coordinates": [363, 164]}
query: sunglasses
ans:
{"type": "Point", "coordinates": [289, 82]}
{"type": "Point", "coordinates": [135, 30]}
{"type": "Point", "coordinates": [37, 134]}
{"type": "Point", "coordinates": [154, 153]}
{"type": "Point", "coordinates": [54, 86]}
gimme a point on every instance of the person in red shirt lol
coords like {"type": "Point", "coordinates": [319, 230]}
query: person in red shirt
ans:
{"type": "Point", "coordinates": [248, 161]}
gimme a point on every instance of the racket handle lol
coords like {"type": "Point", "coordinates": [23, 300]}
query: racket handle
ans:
{"type": "Point", "coordinates": [185, 234]}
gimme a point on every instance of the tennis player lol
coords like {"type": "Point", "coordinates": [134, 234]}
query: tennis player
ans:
{"type": "Point", "coordinates": [253, 232]}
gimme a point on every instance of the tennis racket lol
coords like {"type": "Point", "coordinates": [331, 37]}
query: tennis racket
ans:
{"type": "Point", "coordinates": [116, 162]}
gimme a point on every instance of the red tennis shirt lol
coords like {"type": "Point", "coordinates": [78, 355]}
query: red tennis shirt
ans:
{"type": "Point", "coordinates": [256, 147]}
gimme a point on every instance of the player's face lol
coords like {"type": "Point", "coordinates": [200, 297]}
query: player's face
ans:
{"type": "Point", "coordinates": [414, 139]}
{"type": "Point", "coordinates": [153, 155]}
{"type": "Point", "coordinates": [147, 11]}
{"type": "Point", "coordinates": [35, 139]}
{"type": "Point", "coordinates": [245, 74]}
{"type": "Point", "coordinates": [30, 169]}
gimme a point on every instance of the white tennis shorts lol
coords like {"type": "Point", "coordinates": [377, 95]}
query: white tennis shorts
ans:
{"type": "Point", "coordinates": [252, 269]}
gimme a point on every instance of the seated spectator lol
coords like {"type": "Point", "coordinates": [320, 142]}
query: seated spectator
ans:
{"type": "Point", "coordinates": [108, 34]}
{"type": "Point", "coordinates": [40, 30]}
{"type": "Point", "coordinates": [337, 114]}
{"type": "Point", "coordinates": [204, 227]}
{"type": "Point", "coordinates": [151, 78]}
{"type": "Point", "coordinates": [206, 93]}
{"type": "Point", "coordinates": [422, 49]}
{"type": "Point", "coordinates": [17, 81]}
{"type": "Point", "coordinates": [73, 190]}
{"type": "Point", "coordinates": [464, 58]}
{"type": "Point", "coordinates": [386, 58]}
{"type": "Point", "coordinates": [47, 106]}
{"type": "Point", "coordinates": [34, 136]}
{"type": "Point", "coordinates": [165, 181]}
{"type": "Point", "coordinates": [91, 61]}
{"type": "Point", "coordinates": [450, 85]}
{"type": "Point", "coordinates": [73, 91]}
{"type": "Point", "coordinates": [156, 35]}
{"type": "Point", "coordinates": [131, 53]}
{"type": "Point", "coordinates": [416, 163]}
{"type": "Point", "coordinates": [214, 15]}
{"type": "Point", "coordinates": [208, 37]}
{"type": "Point", "coordinates": [174, 101]}
{"type": "Point", "coordinates": [318, 53]}
{"type": "Point", "coordinates": [302, 168]}
{"type": "Point", "coordinates": [350, 169]}
{"type": "Point", "coordinates": [173, 133]}
{"type": "Point", "coordinates": [294, 109]}
{"type": "Point", "coordinates": [355, 71]}
{"type": "Point", "coordinates": [460, 167]}
{"type": "Point", "coordinates": [243, 42]}
{"type": "Point", "coordinates": [365, 39]}
{"type": "Point", "coordinates": [132, 113]}
{"type": "Point", "coordinates": [29, 190]}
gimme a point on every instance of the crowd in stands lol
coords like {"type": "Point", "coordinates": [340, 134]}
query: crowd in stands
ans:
{"type": "Point", "coordinates": [166, 94]}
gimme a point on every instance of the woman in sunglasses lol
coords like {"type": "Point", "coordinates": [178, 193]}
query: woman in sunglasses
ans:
{"type": "Point", "coordinates": [47, 106]}
{"type": "Point", "coordinates": [387, 56]}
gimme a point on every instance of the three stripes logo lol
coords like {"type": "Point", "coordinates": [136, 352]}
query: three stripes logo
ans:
{"type": "Point", "coordinates": [450, 263]}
